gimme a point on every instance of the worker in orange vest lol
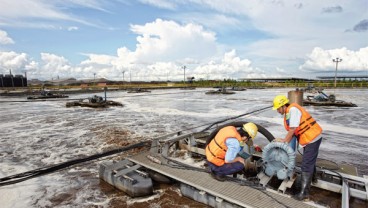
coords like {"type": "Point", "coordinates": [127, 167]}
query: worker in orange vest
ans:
{"type": "Point", "coordinates": [222, 152]}
{"type": "Point", "coordinates": [301, 126]}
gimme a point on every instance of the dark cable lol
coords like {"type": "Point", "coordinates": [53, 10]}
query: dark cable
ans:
{"type": "Point", "coordinates": [46, 170]}
{"type": "Point", "coordinates": [49, 169]}
{"type": "Point", "coordinates": [235, 117]}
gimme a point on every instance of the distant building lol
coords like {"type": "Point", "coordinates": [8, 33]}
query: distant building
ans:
{"type": "Point", "coordinates": [9, 80]}
{"type": "Point", "coordinates": [344, 78]}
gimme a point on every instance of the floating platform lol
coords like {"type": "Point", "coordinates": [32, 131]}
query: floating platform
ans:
{"type": "Point", "coordinates": [223, 91]}
{"type": "Point", "coordinates": [336, 103]}
{"type": "Point", "coordinates": [126, 176]}
{"type": "Point", "coordinates": [322, 99]}
{"type": "Point", "coordinates": [238, 89]}
{"type": "Point", "coordinates": [46, 96]}
{"type": "Point", "coordinates": [188, 88]}
{"type": "Point", "coordinates": [139, 90]}
{"type": "Point", "coordinates": [103, 104]}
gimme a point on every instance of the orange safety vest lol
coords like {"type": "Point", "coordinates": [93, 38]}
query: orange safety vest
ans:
{"type": "Point", "coordinates": [308, 128]}
{"type": "Point", "coordinates": [216, 149]}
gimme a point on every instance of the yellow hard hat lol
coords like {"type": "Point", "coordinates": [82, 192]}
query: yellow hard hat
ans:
{"type": "Point", "coordinates": [251, 129]}
{"type": "Point", "coordinates": [280, 100]}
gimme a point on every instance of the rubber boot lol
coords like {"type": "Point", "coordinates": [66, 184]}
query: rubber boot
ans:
{"type": "Point", "coordinates": [314, 177]}
{"type": "Point", "coordinates": [306, 182]}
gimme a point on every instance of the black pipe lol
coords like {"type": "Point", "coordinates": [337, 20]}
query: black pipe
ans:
{"type": "Point", "coordinates": [47, 170]}
{"type": "Point", "coordinates": [238, 124]}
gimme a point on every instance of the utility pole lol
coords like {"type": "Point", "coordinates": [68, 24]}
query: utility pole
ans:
{"type": "Point", "coordinates": [130, 75]}
{"type": "Point", "coordinates": [184, 67]}
{"type": "Point", "coordinates": [11, 76]}
{"type": "Point", "coordinates": [337, 60]}
{"type": "Point", "coordinates": [123, 75]}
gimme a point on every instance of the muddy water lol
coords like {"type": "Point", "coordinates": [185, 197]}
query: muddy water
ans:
{"type": "Point", "coordinates": [38, 134]}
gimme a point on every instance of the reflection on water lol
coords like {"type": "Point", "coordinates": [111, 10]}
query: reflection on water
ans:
{"type": "Point", "coordinates": [37, 134]}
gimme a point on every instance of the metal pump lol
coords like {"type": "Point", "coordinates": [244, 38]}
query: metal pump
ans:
{"type": "Point", "coordinates": [279, 160]}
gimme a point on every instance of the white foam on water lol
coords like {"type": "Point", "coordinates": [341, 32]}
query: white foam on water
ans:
{"type": "Point", "coordinates": [38, 134]}
{"type": "Point", "coordinates": [325, 126]}
{"type": "Point", "coordinates": [157, 194]}
{"type": "Point", "coordinates": [10, 195]}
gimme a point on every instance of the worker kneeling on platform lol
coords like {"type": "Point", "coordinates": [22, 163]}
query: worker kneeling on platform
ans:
{"type": "Point", "coordinates": [222, 151]}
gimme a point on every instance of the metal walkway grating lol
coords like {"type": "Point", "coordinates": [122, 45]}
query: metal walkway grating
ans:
{"type": "Point", "coordinates": [241, 195]}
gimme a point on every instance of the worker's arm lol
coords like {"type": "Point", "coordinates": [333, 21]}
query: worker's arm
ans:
{"type": "Point", "coordinates": [294, 122]}
{"type": "Point", "coordinates": [233, 148]}
{"type": "Point", "coordinates": [289, 135]}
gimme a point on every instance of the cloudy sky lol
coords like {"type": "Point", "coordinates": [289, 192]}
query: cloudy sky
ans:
{"type": "Point", "coordinates": [155, 39]}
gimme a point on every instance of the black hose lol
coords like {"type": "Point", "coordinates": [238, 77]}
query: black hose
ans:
{"type": "Point", "coordinates": [237, 124]}
{"type": "Point", "coordinates": [46, 170]}
{"type": "Point", "coordinates": [235, 117]}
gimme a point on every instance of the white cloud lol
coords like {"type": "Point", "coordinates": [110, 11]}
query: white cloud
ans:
{"type": "Point", "coordinates": [164, 46]}
{"type": "Point", "coordinates": [219, 22]}
{"type": "Point", "coordinates": [53, 66]}
{"type": "Point", "coordinates": [352, 61]}
{"type": "Point", "coordinates": [280, 70]}
{"type": "Point", "coordinates": [34, 13]}
{"type": "Point", "coordinates": [294, 28]}
{"type": "Point", "coordinates": [99, 66]}
{"type": "Point", "coordinates": [29, 8]}
{"type": "Point", "coordinates": [161, 3]}
{"type": "Point", "coordinates": [14, 61]}
{"type": "Point", "coordinates": [98, 59]}
{"type": "Point", "coordinates": [231, 66]}
{"type": "Point", "coordinates": [4, 38]}
{"type": "Point", "coordinates": [271, 15]}
{"type": "Point", "coordinates": [167, 41]}
{"type": "Point", "coordinates": [52, 62]}
{"type": "Point", "coordinates": [73, 28]}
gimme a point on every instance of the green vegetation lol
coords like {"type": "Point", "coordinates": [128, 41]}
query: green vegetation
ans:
{"type": "Point", "coordinates": [286, 84]}
{"type": "Point", "coordinates": [201, 84]}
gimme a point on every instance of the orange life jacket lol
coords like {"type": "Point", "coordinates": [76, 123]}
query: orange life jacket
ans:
{"type": "Point", "coordinates": [216, 149]}
{"type": "Point", "coordinates": [308, 128]}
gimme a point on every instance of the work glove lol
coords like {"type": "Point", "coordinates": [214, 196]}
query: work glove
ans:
{"type": "Point", "coordinates": [257, 148]}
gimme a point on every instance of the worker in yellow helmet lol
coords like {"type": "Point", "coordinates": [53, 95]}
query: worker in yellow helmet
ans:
{"type": "Point", "coordinates": [222, 151]}
{"type": "Point", "coordinates": [300, 126]}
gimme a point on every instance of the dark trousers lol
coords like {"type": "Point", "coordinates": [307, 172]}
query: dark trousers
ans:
{"type": "Point", "coordinates": [226, 169]}
{"type": "Point", "coordinates": [310, 155]}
